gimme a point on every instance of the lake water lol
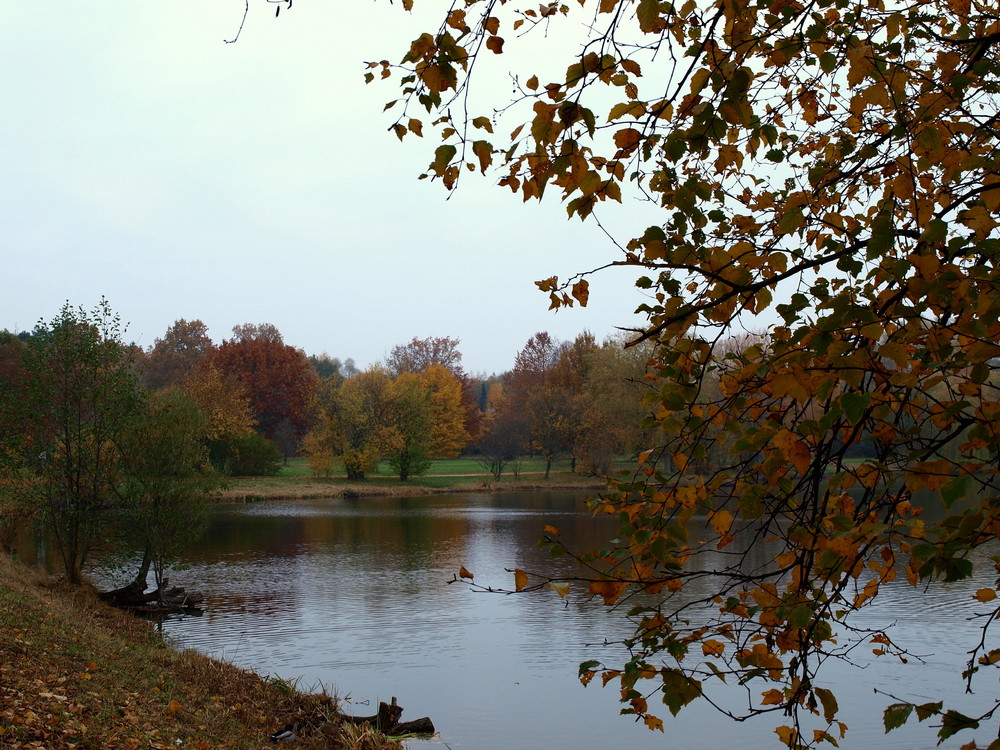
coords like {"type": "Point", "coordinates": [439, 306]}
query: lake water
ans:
{"type": "Point", "coordinates": [354, 595]}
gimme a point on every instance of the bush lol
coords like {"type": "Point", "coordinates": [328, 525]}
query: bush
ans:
{"type": "Point", "coordinates": [254, 456]}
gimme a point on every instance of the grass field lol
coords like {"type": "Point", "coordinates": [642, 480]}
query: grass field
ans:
{"type": "Point", "coordinates": [459, 474]}
{"type": "Point", "coordinates": [453, 467]}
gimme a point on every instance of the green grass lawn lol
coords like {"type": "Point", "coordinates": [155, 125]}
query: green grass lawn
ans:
{"type": "Point", "coordinates": [467, 467]}
{"type": "Point", "coordinates": [464, 474]}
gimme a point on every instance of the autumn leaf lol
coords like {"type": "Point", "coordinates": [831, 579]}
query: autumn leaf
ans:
{"type": "Point", "coordinates": [608, 590]}
{"type": "Point", "coordinates": [520, 579]}
{"type": "Point", "coordinates": [986, 595]}
{"type": "Point", "coordinates": [712, 647]}
{"type": "Point", "coordinates": [722, 521]}
{"type": "Point", "coordinates": [628, 139]}
{"type": "Point", "coordinates": [560, 587]}
{"type": "Point", "coordinates": [463, 573]}
{"type": "Point", "coordinates": [484, 152]}
{"type": "Point", "coordinates": [794, 449]}
{"type": "Point", "coordinates": [772, 698]}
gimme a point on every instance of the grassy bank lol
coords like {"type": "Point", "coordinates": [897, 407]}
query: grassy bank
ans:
{"type": "Point", "coordinates": [75, 673]}
{"type": "Point", "coordinates": [450, 475]}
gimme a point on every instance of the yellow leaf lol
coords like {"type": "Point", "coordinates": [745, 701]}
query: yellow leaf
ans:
{"type": "Point", "coordinates": [653, 723]}
{"type": "Point", "coordinates": [463, 573]}
{"type": "Point", "coordinates": [986, 595]}
{"type": "Point", "coordinates": [722, 521]}
{"type": "Point", "coordinates": [520, 579]}
{"type": "Point", "coordinates": [561, 588]}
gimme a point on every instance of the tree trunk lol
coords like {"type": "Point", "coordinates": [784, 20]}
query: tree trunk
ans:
{"type": "Point", "coordinates": [140, 577]}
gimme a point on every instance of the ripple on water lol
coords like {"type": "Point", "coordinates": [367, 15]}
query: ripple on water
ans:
{"type": "Point", "coordinates": [354, 596]}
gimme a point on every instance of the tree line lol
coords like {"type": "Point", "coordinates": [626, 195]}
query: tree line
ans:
{"type": "Point", "coordinates": [104, 441]}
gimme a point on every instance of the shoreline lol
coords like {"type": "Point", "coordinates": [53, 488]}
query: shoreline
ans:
{"type": "Point", "coordinates": [296, 488]}
{"type": "Point", "coordinates": [78, 673]}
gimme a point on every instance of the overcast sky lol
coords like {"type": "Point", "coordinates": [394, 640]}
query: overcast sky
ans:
{"type": "Point", "coordinates": [147, 161]}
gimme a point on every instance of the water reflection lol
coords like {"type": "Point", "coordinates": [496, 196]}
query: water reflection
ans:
{"type": "Point", "coordinates": [353, 594]}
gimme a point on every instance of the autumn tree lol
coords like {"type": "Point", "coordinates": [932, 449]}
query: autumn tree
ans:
{"type": "Point", "coordinates": [278, 378]}
{"type": "Point", "coordinates": [78, 398]}
{"type": "Point", "coordinates": [161, 502]}
{"type": "Point", "coordinates": [409, 437]}
{"type": "Point", "coordinates": [354, 421]}
{"type": "Point", "coordinates": [548, 403]}
{"type": "Point", "coordinates": [613, 409]}
{"type": "Point", "coordinates": [420, 354]}
{"type": "Point", "coordinates": [171, 359]}
{"type": "Point", "coordinates": [505, 436]}
{"type": "Point", "coordinates": [833, 167]}
{"type": "Point", "coordinates": [16, 482]}
{"type": "Point", "coordinates": [449, 436]}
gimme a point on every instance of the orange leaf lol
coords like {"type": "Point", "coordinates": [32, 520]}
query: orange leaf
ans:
{"type": "Point", "coordinates": [173, 707]}
{"type": "Point", "coordinates": [627, 139]}
{"type": "Point", "coordinates": [786, 735]}
{"type": "Point", "coordinates": [608, 590]}
{"type": "Point", "coordinates": [463, 573]}
{"type": "Point", "coordinates": [986, 595]}
{"type": "Point", "coordinates": [484, 152]}
{"type": "Point", "coordinates": [520, 579]}
{"type": "Point", "coordinates": [772, 698]}
{"type": "Point", "coordinates": [712, 648]}
{"type": "Point", "coordinates": [793, 449]}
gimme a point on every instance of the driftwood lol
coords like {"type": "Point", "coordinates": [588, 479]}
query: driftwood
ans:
{"type": "Point", "coordinates": [161, 599]}
{"type": "Point", "coordinates": [387, 720]}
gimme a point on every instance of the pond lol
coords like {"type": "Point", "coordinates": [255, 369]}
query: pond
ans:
{"type": "Point", "coordinates": [354, 595]}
